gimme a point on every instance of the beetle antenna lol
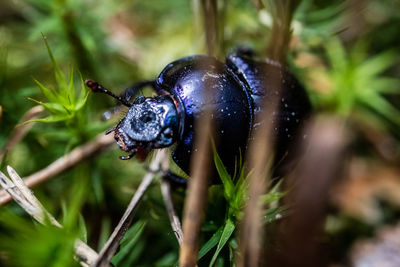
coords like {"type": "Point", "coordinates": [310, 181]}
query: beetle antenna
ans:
{"type": "Point", "coordinates": [111, 130]}
{"type": "Point", "coordinates": [97, 88]}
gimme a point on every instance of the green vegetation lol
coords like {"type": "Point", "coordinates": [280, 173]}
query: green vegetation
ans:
{"type": "Point", "coordinates": [347, 58]}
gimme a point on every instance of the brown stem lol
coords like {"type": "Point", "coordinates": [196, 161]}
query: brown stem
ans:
{"type": "Point", "coordinates": [173, 218]}
{"type": "Point", "coordinates": [195, 203]}
{"type": "Point", "coordinates": [112, 243]}
{"type": "Point", "coordinates": [259, 158]}
{"type": "Point", "coordinates": [323, 164]}
{"type": "Point", "coordinates": [211, 21]}
{"type": "Point", "coordinates": [281, 29]}
{"type": "Point", "coordinates": [197, 191]}
{"type": "Point", "coordinates": [71, 159]}
{"type": "Point", "coordinates": [21, 129]}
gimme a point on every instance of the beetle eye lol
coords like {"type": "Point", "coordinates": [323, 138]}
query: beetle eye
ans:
{"type": "Point", "coordinates": [147, 117]}
{"type": "Point", "coordinates": [168, 133]}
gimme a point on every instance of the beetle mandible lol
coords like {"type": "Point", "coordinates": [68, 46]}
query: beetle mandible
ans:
{"type": "Point", "coordinates": [239, 88]}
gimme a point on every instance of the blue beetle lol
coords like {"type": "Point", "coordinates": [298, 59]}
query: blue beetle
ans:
{"type": "Point", "coordinates": [238, 89]}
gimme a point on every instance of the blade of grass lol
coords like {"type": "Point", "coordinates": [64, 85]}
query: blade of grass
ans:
{"type": "Point", "coordinates": [224, 175]}
{"type": "Point", "coordinates": [226, 234]}
{"type": "Point", "coordinates": [212, 242]}
{"type": "Point", "coordinates": [128, 242]}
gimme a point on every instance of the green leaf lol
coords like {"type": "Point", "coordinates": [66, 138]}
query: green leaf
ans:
{"type": "Point", "coordinates": [212, 242]}
{"type": "Point", "coordinates": [129, 241]}
{"type": "Point", "coordinates": [84, 90]}
{"type": "Point", "coordinates": [52, 107]}
{"type": "Point", "coordinates": [63, 103]}
{"type": "Point", "coordinates": [48, 93]}
{"type": "Point", "coordinates": [384, 108]}
{"type": "Point", "coordinates": [60, 78]}
{"type": "Point", "coordinates": [226, 234]}
{"type": "Point", "coordinates": [70, 90]}
{"type": "Point", "coordinates": [241, 188]}
{"type": "Point", "coordinates": [224, 175]}
{"type": "Point", "coordinates": [273, 195]}
{"type": "Point", "coordinates": [377, 64]}
{"type": "Point", "coordinates": [52, 118]}
{"type": "Point", "coordinates": [386, 85]}
{"type": "Point", "coordinates": [272, 214]}
{"type": "Point", "coordinates": [336, 54]}
{"type": "Point", "coordinates": [82, 229]}
{"type": "Point", "coordinates": [81, 102]}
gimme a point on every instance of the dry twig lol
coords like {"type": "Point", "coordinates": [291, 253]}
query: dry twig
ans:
{"type": "Point", "coordinates": [27, 200]}
{"type": "Point", "coordinates": [20, 130]}
{"type": "Point", "coordinates": [76, 156]}
{"type": "Point", "coordinates": [195, 202]}
{"type": "Point", "coordinates": [112, 243]}
{"type": "Point", "coordinates": [173, 218]}
{"type": "Point", "coordinates": [197, 191]}
{"type": "Point", "coordinates": [260, 155]}
{"type": "Point", "coordinates": [259, 158]}
{"type": "Point", "coordinates": [166, 193]}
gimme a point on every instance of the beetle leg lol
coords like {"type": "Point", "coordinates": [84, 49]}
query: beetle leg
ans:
{"type": "Point", "coordinates": [132, 90]}
{"type": "Point", "coordinates": [175, 180]}
{"type": "Point", "coordinates": [110, 130]}
{"type": "Point", "coordinates": [127, 157]}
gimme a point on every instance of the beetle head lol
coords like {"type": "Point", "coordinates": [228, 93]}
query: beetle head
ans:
{"type": "Point", "coordinates": [149, 123]}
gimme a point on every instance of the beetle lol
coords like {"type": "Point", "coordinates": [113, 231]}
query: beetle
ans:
{"type": "Point", "coordinates": [238, 88]}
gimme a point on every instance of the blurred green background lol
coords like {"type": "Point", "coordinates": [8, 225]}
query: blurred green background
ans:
{"type": "Point", "coordinates": [346, 53]}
